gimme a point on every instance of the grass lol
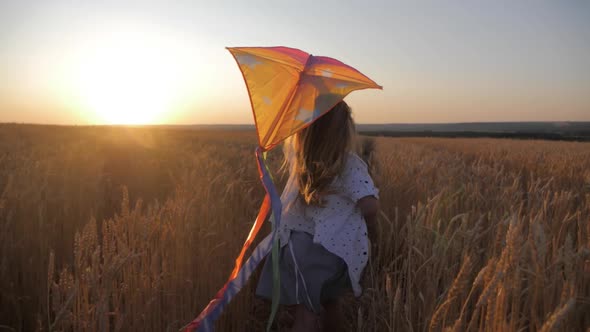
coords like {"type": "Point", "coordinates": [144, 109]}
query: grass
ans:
{"type": "Point", "coordinates": [117, 229]}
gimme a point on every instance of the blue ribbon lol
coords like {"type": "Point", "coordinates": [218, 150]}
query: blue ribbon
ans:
{"type": "Point", "coordinates": [270, 244]}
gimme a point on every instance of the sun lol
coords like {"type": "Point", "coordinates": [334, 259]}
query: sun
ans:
{"type": "Point", "coordinates": [129, 78]}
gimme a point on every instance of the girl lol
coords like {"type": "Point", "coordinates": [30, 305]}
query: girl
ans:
{"type": "Point", "coordinates": [323, 235]}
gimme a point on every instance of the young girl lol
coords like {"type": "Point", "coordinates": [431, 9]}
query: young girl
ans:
{"type": "Point", "coordinates": [323, 235]}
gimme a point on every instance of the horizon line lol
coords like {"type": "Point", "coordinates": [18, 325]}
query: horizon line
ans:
{"type": "Point", "coordinates": [253, 125]}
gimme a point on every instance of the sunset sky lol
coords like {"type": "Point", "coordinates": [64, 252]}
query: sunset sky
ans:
{"type": "Point", "coordinates": [101, 62]}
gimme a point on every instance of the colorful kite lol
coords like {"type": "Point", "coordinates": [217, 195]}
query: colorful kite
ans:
{"type": "Point", "coordinates": [288, 89]}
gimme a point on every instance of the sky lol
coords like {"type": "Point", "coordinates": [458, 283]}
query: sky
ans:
{"type": "Point", "coordinates": [101, 62]}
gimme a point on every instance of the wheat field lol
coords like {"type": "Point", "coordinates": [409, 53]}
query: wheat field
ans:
{"type": "Point", "coordinates": [135, 229]}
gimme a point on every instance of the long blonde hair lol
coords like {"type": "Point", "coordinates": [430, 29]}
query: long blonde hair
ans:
{"type": "Point", "coordinates": [317, 154]}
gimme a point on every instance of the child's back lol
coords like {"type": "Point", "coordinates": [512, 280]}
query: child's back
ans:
{"type": "Point", "coordinates": [323, 234]}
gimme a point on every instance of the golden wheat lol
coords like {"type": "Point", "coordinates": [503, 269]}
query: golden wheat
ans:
{"type": "Point", "coordinates": [474, 234]}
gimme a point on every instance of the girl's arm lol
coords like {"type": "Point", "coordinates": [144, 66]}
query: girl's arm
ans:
{"type": "Point", "coordinates": [369, 206]}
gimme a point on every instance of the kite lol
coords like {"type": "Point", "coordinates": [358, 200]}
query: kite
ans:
{"type": "Point", "coordinates": [289, 89]}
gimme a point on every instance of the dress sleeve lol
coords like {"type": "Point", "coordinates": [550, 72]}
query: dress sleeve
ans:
{"type": "Point", "coordinates": [357, 181]}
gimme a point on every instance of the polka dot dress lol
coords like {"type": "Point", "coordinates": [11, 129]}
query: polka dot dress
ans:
{"type": "Point", "coordinates": [338, 226]}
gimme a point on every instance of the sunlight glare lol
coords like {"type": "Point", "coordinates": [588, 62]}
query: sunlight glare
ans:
{"type": "Point", "coordinates": [130, 78]}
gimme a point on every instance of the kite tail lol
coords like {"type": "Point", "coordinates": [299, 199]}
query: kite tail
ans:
{"type": "Point", "coordinates": [241, 273]}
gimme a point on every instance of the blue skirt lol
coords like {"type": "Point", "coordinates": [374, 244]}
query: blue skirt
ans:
{"type": "Point", "coordinates": [314, 277]}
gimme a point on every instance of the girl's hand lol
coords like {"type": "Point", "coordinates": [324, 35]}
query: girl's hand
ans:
{"type": "Point", "coordinates": [369, 206]}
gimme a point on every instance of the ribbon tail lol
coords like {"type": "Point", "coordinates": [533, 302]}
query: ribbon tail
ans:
{"type": "Point", "coordinates": [276, 281]}
{"type": "Point", "coordinates": [262, 214]}
{"type": "Point", "coordinates": [276, 206]}
{"type": "Point", "coordinates": [206, 321]}
{"type": "Point", "coordinates": [240, 274]}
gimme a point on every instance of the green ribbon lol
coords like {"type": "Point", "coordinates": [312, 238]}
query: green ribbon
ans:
{"type": "Point", "coordinates": [276, 280]}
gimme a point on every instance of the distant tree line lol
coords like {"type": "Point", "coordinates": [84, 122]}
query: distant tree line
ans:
{"type": "Point", "coordinates": [581, 136]}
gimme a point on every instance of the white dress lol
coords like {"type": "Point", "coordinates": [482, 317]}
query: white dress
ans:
{"type": "Point", "coordinates": [338, 226]}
